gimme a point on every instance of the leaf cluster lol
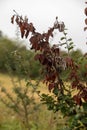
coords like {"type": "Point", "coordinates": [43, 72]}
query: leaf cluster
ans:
{"type": "Point", "coordinates": [54, 64]}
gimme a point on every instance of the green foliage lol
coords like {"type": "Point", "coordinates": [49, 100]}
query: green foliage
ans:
{"type": "Point", "coordinates": [6, 47]}
{"type": "Point", "coordinates": [19, 60]}
{"type": "Point", "coordinates": [66, 42]}
{"type": "Point", "coordinates": [76, 115]}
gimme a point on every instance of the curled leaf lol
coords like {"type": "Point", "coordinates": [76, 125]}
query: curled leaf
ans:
{"type": "Point", "coordinates": [86, 21]}
{"type": "Point", "coordinates": [27, 33]}
{"type": "Point", "coordinates": [17, 19]}
{"type": "Point", "coordinates": [51, 86]}
{"type": "Point", "coordinates": [12, 19]}
{"type": "Point", "coordinates": [22, 31]}
{"type": "Point", "coordinates": [77, 99]}
{"type": "Point", "coordinates": [85, 11]}
{"type": "Point", "coordinates": [85, 28]}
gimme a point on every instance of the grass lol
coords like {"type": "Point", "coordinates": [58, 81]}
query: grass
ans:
{"type": "Point", "coordinates": [8, 120]}
{"type": "Point", "coordinates": [42, 119]}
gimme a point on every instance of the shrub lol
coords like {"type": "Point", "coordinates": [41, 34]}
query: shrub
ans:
{"type": "Point", "coordinates": [71, 106]}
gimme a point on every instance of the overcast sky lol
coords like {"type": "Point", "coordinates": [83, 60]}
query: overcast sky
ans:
{"type": "Point", "coordinates": [43, 12]}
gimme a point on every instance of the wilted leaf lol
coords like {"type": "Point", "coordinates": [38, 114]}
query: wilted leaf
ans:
{"type": "Point", "coordinates": [85, 28]}
{"type": "Point", "coordinates": [69, 62]}
{"type": "Point", "coordinates": [49, 33]}
{"type": "Point", "coordinates": [74, 84]}
{"type": "Point", "coordinates": [86, 21]}
{"type": "Point", "coordinates": [17, 19]}
{"type": "Point", "coordinates": [12, 19]}
{"type": "Point", "coordinates": [77, 100]}
{"type": "Point", "coordinates": [22, 31]}
{"type": "Point", "coordinates": [85, 11]}
{"type": "Point", "coordinates": [31, 28]}
{"type": "Point", "coordinates": [27, 33]}
{"type": "Point", "coordinates": [51, 86]}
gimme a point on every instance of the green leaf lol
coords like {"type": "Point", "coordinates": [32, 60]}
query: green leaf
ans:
{"type": "Point", "coordinates": [70, 48]}
{"type": "Point", "coordinates": [84, 120]}
{"type": "Point", "coordinates": [69, 39]}
{"type": "Point", "coordinates": [71, 43]}
{"type": "Point", "coordinates": [65, 33]}
{"type": "Point", "coordinates": [63, 43]}
{"type": "Point", "coordinates": [62, 38]}
{"type": "Point", "coordinates": [85, 106]}
{"type": "Point", "coordinates": [55, 91]}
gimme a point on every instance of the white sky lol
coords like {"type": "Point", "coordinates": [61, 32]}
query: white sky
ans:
{"type": "Point", "coordinates": [43, 12]}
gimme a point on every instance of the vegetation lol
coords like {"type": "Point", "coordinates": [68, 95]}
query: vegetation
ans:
{"type": "Point", "coordinates": [71, 106]}
{"type": "Point", "coordinates": [38, 116]}
{"type": "Point", "coordinates": [20, 60]}
{"type": "Point", "coordinates": [65, 74]}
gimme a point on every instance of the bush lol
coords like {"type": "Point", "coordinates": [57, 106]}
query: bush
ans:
{"type": "Point", "coordinates": [20, 60]}
{"type": "Point", "coordinates": [62, 99]}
